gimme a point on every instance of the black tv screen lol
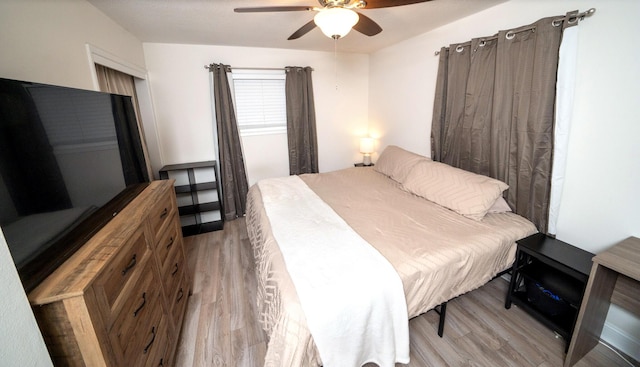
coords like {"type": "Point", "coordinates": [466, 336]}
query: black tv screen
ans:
{"type": "Point", "coordinates": [70, 160]}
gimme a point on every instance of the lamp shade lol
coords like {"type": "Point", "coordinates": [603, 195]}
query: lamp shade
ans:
{"type": "Point", "coordinates": [336, 22]}
{"type": "Point", "coordinates": [366, 145]}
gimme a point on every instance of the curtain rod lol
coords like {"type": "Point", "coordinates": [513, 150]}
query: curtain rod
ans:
{"type": "Point", "coordinates": [577, 17]}
{"type": "Point", "coordinates": [248, 68]}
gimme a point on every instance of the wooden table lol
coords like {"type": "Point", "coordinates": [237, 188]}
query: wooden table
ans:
{"type": "Point", "coordinates": [614, 278]}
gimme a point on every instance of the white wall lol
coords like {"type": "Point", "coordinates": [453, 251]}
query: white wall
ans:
{"type": "Point", "coordinates": [266, 156]}
{"type": "Point", "coordinates": [44, 41]}
{"type": "Point", "coordinates": [601, 196]}
{"type": "Point", "coordinates": [22, 344]}
{"type": "Point", "coordinates": [180, 86]}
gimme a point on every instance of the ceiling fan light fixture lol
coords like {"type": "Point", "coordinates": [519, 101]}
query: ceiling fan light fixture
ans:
{"type": "Point", "coordinates": [336, 22]}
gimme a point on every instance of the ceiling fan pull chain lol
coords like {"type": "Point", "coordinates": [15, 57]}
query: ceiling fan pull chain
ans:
{"type": "Point", "coordinates": [335, 61]}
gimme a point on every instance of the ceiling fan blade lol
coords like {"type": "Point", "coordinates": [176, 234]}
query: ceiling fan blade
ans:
{"type": "Point", "coordinates": [264, 9]}
{"type": "Point", "coordinates": [303, 30]}
{"type": "Point", "coordinates": [375, 4]}
{"type": "Point", "coordinates": [367, 26]}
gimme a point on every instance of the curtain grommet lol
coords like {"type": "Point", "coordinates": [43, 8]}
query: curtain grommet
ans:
{"type": "Point", "coordinates": [459, 48]}
{"type": "Point", "coordinates": [510, 35]}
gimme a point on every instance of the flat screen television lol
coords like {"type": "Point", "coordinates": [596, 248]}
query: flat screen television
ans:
{"type": "Point", "coordinates": [70, 160]}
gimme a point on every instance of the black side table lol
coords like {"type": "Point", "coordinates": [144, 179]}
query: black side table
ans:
{"type": "Point", "coordinates": [548, 280]}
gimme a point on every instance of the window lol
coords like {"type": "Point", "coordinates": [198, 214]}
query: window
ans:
{"type": "Point", "coordinates": [260, 101]}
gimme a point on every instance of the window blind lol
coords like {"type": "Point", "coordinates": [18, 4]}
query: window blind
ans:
{"type": "Point", "coordinates": [260, 102]}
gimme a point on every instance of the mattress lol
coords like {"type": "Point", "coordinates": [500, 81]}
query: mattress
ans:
{"type": "Point", "coordinates": [437, 253]}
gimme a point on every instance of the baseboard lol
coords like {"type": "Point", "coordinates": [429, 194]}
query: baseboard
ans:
{"type": "Point", "coordinates": [621, 340]}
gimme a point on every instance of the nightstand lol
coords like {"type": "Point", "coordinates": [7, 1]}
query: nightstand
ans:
{"type": "Point", "coordinates": [548, 280]}
{"type": "Point", "coordinates": [362, 165]}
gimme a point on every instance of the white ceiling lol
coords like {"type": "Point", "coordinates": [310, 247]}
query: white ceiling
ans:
{"type": "Point", "coordinates": [213, 22]}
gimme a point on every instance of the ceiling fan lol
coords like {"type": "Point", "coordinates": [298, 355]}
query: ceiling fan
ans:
{"type": "Point", "coordinates": [336, 17]}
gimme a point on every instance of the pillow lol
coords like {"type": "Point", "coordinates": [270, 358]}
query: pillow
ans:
{"type": "Point", "coordinates": [500, 206]}
{"type": "Point", "coordinates": [466, 193]}
{"type": "Point", "coordinates": [396, 162]}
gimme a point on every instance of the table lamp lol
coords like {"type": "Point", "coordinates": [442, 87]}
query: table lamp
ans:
{"type": "Point", "coordinates": [366, 148]}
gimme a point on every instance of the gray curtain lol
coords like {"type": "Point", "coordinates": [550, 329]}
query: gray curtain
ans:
{"type": "Point", "coordinates": [494, 111]}
{"type": "Point", "coordinates": [301, 121]}
{"type": "Point", "coordinates": [233, 177]}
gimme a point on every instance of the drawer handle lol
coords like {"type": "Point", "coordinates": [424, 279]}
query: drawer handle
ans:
{"type": "Point", "coordinates": [164, 213]}
{"type": "Point", "coordinates": [170, 242]}
{"type": "Point", "coordinates": [144, 300]}
{"type": "Point", "coordinates": [180, 294]}
{"type": "Point", "coordinates": [175, 270]}
{"type": "Point", "coordinates": [131, 264]}
{"type": "Point", "coordinates": [153, 338]}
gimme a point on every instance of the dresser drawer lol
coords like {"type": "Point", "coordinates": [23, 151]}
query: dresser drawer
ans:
{"type": "Point", "coordinates": [162, 212]}
{"type": "Point", "coordinates": [169, 241]}
{"type": "Point", "coordinates": [113, 284]}
{"type": "Point", "coordinates": [173, 272]}
{"type": "Point", "coordinates": [160, 352]}
{"type": "Point", "coordinates": [136, 313]}
{"type": "Point", "coordinates": [178, 301]}
{"type": "Point", "coordinates": [148, 340]}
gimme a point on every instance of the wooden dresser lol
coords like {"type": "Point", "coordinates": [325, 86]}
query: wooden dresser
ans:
{"type": "Point", "coordinates": [120, 299]}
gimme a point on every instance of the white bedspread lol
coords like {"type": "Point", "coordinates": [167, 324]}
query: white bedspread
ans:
{"type": "Point", "coordinates": [352, 297]}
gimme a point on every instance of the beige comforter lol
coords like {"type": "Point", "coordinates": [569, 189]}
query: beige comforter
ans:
{"type": "Point", "coordinates": [438, 253]}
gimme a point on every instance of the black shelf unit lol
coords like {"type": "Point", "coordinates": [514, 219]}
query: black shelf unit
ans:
{"type": "Point", "coordinates": [195, 215]}
{"type": "Point", "coordinates": [557, 267]}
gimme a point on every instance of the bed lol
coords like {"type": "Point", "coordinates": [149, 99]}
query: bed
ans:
{"type": "Point", "coordinates": [438, 248]}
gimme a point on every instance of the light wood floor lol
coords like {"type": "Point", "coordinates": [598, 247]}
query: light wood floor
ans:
{"type": "Point", "coordinates": [221, 329]}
